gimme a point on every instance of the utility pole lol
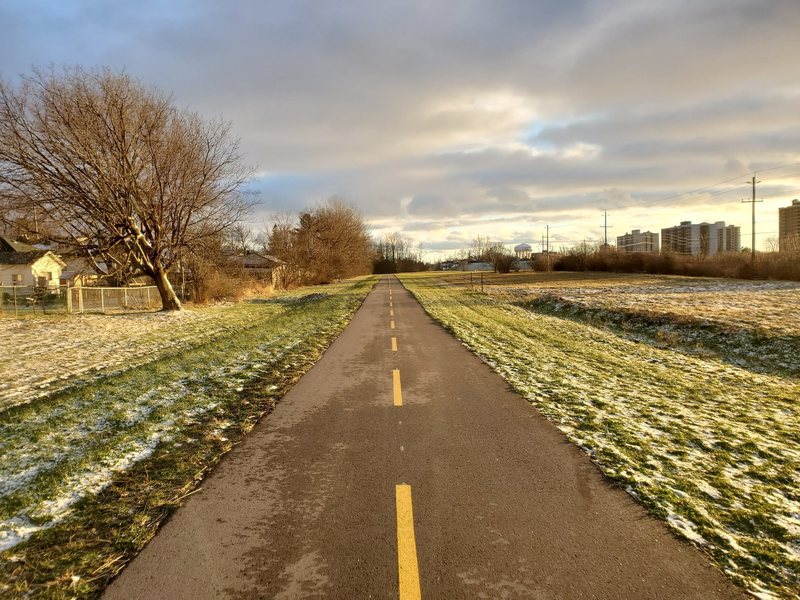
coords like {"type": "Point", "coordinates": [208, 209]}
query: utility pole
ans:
{"type": "Point", "coordinates": [605, 227]}
{"type": "Point", "coordinates": [753, 202]}
{"type": "Point", "coordinates": [547, 227]}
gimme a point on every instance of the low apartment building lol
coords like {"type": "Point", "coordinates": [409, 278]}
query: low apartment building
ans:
{"type": "Point", "coordinates": [636, 241]}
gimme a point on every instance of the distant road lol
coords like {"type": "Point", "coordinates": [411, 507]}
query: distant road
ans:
{"type": "Point", "coordinates": [401, 466]}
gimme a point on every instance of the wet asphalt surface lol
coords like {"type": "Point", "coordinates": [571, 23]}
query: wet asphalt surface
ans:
{"type": "Point", "coordinates": [504, 506]}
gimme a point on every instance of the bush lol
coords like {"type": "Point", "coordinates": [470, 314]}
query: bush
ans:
{"type": "Point", "coordinates": [215, 278]}
{"type": "Point", "coordinates": [503, 262]}
{"type": "Point", "coordinates": [771, 265]}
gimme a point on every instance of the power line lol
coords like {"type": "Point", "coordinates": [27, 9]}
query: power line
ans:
{"type": "Point", "coordinates": [698, 190]}
{"type": "Point", "coordinates": [709, 189]}
{"type": "Point", "coordinates": [781, 193]}
{"type": "Point", "coordinates": [784, 166]}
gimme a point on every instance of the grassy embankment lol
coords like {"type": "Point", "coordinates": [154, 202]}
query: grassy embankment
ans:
{"type": "Point", "coordinates": [710, 447]}
{"type": "Point", "coordinates": [88, 472]}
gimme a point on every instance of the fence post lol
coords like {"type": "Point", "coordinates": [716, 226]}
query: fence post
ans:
{"type": "Point", "coordinates": [69, 299]}
{"type": "Point", "coordinates": [80, 299]}
{"type": "Point", "coordinates": [470, 280]}
{"type": "Point", "coordinates": [148, 296]}
{"type": "Point", "coordinates": [102, 301]}
{"type": "Point", "coordinates": [125, 297]}
{"type": "Point", "coordinates": [15, 302]}
{"type": "Point", "coordinates": [481, 282]}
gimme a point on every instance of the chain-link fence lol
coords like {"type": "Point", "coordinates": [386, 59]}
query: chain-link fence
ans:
{"type": "Point", "coordinates": [25, 299]}
{"type": "Point", "coordinates": [21, 299]}
{"type": "Point", "coordinates": [103, 299]}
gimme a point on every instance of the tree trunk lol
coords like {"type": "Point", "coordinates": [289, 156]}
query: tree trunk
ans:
{"type": "Point", "coordinates": [169, 300]}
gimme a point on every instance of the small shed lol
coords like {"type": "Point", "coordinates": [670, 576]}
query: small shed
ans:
{"type": "Point", "coordinates": [257, 266]}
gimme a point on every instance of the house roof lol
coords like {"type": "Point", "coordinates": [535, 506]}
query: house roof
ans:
{"type": "Point", "coordinates": [27, 258]}
{"type": "Point", "coordinates": [255, 260]}
{"type": "Point", "coordinates": [21, 258]}
{"type": "Point", "coordinates": [9, 245]}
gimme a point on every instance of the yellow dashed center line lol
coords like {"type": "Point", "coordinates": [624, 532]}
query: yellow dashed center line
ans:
{"type": "Point", "coordinates": [394, 344]}
{"type": "Point", "coordinates": [391, 324]}
{"type": "Point", "coordinates": [397, 390]}
{"type": "Point", "coordinates": [408, 567]}
{"type": "Point", "coordinates": [391, 312]}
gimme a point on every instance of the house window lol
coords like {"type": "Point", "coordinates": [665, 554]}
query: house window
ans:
{"type": "Point", "coordinates": [16, 278]}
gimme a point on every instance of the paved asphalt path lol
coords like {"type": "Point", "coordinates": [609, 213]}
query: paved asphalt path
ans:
{"type": "Point", "coordinates": [503, 505]}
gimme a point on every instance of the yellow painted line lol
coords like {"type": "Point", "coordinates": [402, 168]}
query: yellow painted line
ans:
{"type": "Point", "coordinates": [394, 344]}
{"type": "Point", "coordinates": [391, 312]}
{"type": "Point", "coordinates": [398, 391]}
{"type": "Point", "coordinates": [408, 567]}
{"type": "Point", "coordinates": [391, 324]}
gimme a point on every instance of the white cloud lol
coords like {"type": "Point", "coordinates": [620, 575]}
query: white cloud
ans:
{"type": "Point", "coordinates": [453, 117]}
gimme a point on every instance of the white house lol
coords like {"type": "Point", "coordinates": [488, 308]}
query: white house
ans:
{"type": "Point", "coordinates": [24, 265]}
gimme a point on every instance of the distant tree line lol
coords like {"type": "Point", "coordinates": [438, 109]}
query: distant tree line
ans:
{"type": "Point", "coordinates": [768, 265]}
{"type": "Point", "coordinates": [395, 253]}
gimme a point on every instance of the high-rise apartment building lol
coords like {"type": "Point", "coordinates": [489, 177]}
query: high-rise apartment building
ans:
{"type": "Point", "coordinates": [636, 241]}
{"type": "Point", "coordinates": [701, 238]}
{"type": "Point", "coordinates": [789, 227]}
{"type": "Point", "coordinates": [730, 240]}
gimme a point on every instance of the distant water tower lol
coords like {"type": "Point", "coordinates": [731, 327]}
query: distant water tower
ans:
{"type": "Point", "coordinates": [522, 250]}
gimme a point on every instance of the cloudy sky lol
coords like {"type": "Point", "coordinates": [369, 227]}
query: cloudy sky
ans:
{"type": "Point", "coordinates": [448, 119]}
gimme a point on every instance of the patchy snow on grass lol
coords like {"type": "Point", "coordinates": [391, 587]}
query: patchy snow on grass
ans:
{"type": "Point", "coordinates": [56, 352]}
{"type": "Point", "coordinates": [685, 528]}
{"type": "Point", "coordinates": [710, 447]}
{"type": "Point", "coordinates": [751, 324]}
{"type": "Point", "coordinates": [70, 443]}
{"type": "Point", "coordinates": [16, 530]}
{"type": "Point", "coordinates": [765, 306]}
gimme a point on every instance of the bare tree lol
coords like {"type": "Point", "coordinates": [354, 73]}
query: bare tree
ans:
{"type": "Point", "coordinates": [278, 239]}
{"type": "Point", "coordinates": [772, 244]}
{"type": "Point", "coordinates": [340, 244]}
{"type": "Point", "coordinates": [394, 253]}
{"type": "Point", "coordinates": [120, 174]}
{"type": "Point", "coordinates": [479, 247]}
{"type": "Point", "coordinates": [240, 239]}
{"type": "Point", "coordinates": [327, 243]}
